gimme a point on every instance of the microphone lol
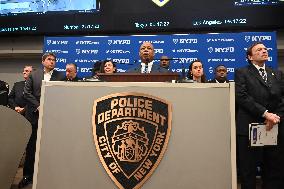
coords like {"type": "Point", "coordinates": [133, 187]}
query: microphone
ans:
{"type": "Point", "coordinates": [122, 63]}
{"type": "Point", "coordinates": [182, 71]}
{"type": "Point", "coordinates": [148, 60]}
{"type": "Point", "coordinates": [168, 59]}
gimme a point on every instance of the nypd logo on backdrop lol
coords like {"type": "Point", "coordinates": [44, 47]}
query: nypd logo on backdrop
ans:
{"type": "Point", "coordinates": [228, 49]}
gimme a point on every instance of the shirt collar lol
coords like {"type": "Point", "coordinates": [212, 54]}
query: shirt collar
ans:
{"type": "Point", "coordinates": [149, 64]}
{"type": "Point", "coordinates": [258, 67]}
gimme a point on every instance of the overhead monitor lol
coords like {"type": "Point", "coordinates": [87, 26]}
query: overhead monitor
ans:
{"type": "Point", "coordinates": [98, 17]}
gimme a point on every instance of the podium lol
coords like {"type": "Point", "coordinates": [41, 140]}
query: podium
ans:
{"type": "Point", "coordinates": [201, 150]}
{"type": "Point", "coordinates": [15, 131]}
{"type": "Point", "coordinates": [139, 77]}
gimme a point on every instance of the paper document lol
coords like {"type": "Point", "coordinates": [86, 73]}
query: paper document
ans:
{"type": "Point", "coordinates": [260, 137]}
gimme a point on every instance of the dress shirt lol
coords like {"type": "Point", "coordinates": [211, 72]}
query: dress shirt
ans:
{"type": "Point", "coordinates": [47, 75]}
{"type": "Point", "coordinates": [143, 66]}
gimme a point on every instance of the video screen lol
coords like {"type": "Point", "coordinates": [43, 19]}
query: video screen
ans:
{"type": "Point", "coordinates": [17, 7]}
{"type": "Point", "coordinates": [100, 17]}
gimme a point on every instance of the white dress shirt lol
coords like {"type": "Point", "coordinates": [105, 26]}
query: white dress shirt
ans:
{"type": "Point", "coordinates": [143, 66]}
{"type": "Point", "coordinates": [47, 75]}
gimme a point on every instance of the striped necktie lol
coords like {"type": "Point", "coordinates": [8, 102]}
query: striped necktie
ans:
{"type": "Point", "coordinates": [146, 68]}
{"type": "Point", "coordinates": [263, 74]}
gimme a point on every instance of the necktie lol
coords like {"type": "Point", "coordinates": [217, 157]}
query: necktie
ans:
{"type": "Point", "coordinates": [146, 68]}
{"type": "Point", "coordinates": [263, 74]}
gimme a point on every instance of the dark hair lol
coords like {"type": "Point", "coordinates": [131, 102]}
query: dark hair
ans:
{"type": "Point", "coordinates": [189, 74]}
{"type": "Point", "coordinates": [73, 64]}
{"type": "Point", "coordinates": [29, 66]}
{"type": "Point", "coordinates": [249, 50]}
{"type": "Point", "coordinates": [45, 55]}
{"type": "Point", "coordinates": [96, 67]}
{"type": "Point", "coordinates": [219, 66]}
{"type": "Point", "coordinates": [102, 70]}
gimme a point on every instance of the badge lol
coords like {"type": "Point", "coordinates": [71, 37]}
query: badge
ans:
{"type": "Point", "coordinates": [131, 132]}
{"type": "Point", "coordinates": [160, 3]}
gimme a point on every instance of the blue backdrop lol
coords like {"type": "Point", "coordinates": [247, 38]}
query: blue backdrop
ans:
{"type": "Point", "coordinates": [212, 49]}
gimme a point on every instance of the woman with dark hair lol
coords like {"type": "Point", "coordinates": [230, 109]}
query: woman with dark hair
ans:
{"type": "Point", "coordinates": [108, 66]}
{"type": "Point", "coordinates": [195, 72]}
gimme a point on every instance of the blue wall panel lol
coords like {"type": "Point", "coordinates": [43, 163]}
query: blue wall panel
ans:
{"type": "Point", "coordinates": [212, 49]}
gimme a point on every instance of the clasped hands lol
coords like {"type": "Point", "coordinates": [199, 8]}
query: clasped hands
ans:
{"type": "Point", "coordinates": [271, 119]}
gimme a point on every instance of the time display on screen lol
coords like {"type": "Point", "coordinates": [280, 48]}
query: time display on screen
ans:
{"type": "Point", "coordinates": [93, 17]}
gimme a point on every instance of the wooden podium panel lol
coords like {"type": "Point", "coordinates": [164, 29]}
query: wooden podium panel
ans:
{"type": "Point", "coordinates": [200, 153]}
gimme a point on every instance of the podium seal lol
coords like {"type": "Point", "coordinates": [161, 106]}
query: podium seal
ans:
{"type": "Point", "coordinates": [131, 132]}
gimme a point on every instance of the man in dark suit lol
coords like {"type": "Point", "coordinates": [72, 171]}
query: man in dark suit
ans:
{"type": "Point", "coordinates": [4, 90]}
{"type": "Point", "coordinates": [32, 93]}
{"type": "Point", "coordinates": [259, 100]}
{"type": "Point", "coordinates": [220, 75]}
{"type": "Point", "coordinates": [146, 54]}
{"type": "Point", "coordinates": [165, 62]}
{"type": "Point", "coordinates": [71, 72]}
{"type": "Point", "coordinates": [16, 97]}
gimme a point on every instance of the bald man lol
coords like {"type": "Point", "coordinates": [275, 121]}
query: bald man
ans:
{"type": "Point", "coordinates": [146, 54]}
{"type": "Point", "coordinates": [16, 97]}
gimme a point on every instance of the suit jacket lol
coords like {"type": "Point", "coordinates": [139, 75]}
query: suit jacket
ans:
{"type": "Point", "coordinates": [4, 90]}
{"type": "Point", "coordinates": [74, 80]}
{"type": "Point", "coordinates": [32, 92]}
{"type": "Point", "coordinates": [16, 96]}
{"type": "Point", "coordinates": [215, 81]}
{"type": "Point", "coordinates": [155, 69]}
{"type": "Point", "coordinates": [254, 96]}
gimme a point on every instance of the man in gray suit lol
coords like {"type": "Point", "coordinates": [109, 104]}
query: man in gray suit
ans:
{"type": "Point", "coordinates": [147, 65]}
{"type": "Point", "coordinates": [259, 100]}
{"type": "Point", "coordinates": [32, 93]}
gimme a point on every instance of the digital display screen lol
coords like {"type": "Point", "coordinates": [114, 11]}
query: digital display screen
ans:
{"type": "Point", "coordinates": [98, 17]}
{"type": "Point", "coordinates": [17, 7]}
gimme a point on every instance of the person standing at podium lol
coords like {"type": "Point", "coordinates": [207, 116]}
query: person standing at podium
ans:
{"type": "Point", "coordinates": [32, 93]}
{"type": "Point", "coordinates": [146, 54]}
{"type": "Point", "coordinates": [259, 100]}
